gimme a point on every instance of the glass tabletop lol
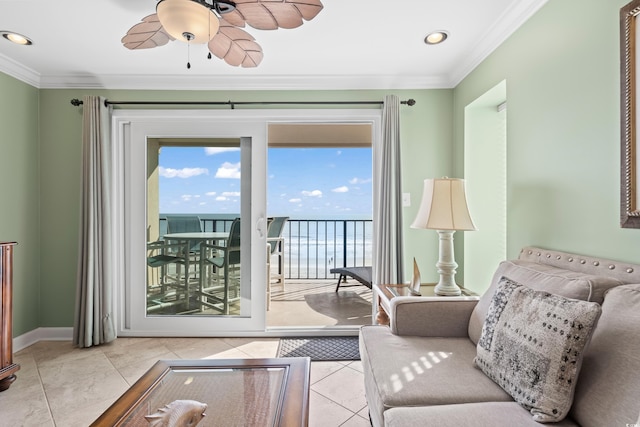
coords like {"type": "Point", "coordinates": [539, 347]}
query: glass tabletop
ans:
{"type": "Point", "coordinates": [234, 397]}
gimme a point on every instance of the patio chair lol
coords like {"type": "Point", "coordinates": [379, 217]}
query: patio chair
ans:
{"type": "Point", "coordinates": [220, 267]}
{"type": "Point", "coordinates": [185, 224]}
{"type": "Point", "coordinates": [361, 274]}
{"type": "Point", "coordinates": [275, 243]}
{"type": "Point", "coordinates": [160, 277]}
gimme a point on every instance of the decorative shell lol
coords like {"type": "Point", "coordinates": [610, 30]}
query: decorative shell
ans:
{"type": "Point", "coordinates": [179, 413]}
{"type": "Point", "coordinates": [414, 288]}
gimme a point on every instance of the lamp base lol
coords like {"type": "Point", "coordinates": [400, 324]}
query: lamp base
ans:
{"type": "Point", "coordinates": [446, 266]}
{"type": "Point", "coordinates": [448, 291]}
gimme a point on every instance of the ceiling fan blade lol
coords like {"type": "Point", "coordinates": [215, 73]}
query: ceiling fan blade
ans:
{"type": "Point", "coordinates": [147, 34]}
{"type": "Point", "coordinates": [235, 46]}
{"type": "Point", "coordinates": [274, 14]}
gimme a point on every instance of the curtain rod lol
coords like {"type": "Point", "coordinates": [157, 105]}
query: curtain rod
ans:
{"type": "Point", "coordinates": [76, 102]}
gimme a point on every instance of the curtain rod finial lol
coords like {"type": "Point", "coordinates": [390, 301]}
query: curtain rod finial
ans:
{"type": "Point", "coordinates": [410, 102]}
{"type": "Point", "coordinates": [76, 102]}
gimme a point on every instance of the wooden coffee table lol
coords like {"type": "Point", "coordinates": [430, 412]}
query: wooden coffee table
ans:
{"type": "Point", "coordinates": [238, 392]}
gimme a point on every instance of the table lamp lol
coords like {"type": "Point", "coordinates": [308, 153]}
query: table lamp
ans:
{"type": "Point", "coordinates": [444, 208]}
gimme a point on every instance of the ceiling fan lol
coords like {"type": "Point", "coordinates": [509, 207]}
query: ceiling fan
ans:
{"type": "Point", "coordinates": [218, 23]}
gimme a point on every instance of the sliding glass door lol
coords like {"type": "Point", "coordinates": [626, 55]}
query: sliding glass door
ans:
{"type": "Point", "coordinates": [192, 225]}
{"type": "Point", "coordinates": [185, 183]}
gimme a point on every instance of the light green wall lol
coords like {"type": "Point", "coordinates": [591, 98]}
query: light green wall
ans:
{"type": "Point", "coordinates": [485, 171]}
{"type": "Point", "coordinates": [561, 69]}
{"type": "Point", "coordinates": [563, 139]}
{"type": "Point", "coordinates": [19, 196]}
{"type": "Point", "coordinates": [426, 132]}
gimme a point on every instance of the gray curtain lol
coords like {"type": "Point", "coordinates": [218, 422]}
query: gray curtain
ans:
{"type": "Point", "coordinates": [388, 254]}
{"type": "Point", "coordinates": [94, 318]}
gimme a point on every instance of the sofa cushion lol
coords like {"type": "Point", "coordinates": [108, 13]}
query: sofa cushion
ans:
{"type": "Point", "coordinates": [486, 414]}
{"type": "Point", "coordinates": [541, 277]}
{"type": "Point", "coordinates": [532, 345]}
{"type": "Point", "coordinates": [608, 390]}
{"type": "Point", "coordinates": [420, 371]}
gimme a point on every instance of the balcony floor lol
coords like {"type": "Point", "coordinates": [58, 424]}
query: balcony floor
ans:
{"type": "Point", "coordinates": [314, 303]}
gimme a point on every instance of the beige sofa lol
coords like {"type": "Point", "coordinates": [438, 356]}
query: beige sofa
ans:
{"type": "Point", "coordinates": [421, 371]}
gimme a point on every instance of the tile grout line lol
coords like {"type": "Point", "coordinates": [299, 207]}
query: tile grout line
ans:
{"type": "Point", "coordinates": [44, 392]}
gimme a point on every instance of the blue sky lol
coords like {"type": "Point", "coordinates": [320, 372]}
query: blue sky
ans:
{"type": "Point", "coordinates": [302, 182]}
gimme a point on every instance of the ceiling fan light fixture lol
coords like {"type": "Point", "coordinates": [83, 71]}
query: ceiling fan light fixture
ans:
{"type": "Point", "coordinates": [16, 38]}
{"type": "Point", "coordinates": [179, 17]}
{"type": "Point", "coordinates": [436, 37]}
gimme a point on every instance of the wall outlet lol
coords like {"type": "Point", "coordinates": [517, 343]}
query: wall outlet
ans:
{"type": "Point", "coordinates": [406, 200]}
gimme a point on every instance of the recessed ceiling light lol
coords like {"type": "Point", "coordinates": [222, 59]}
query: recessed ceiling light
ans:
{"type": "Point", "coordinates": [16, 38]}
{"type": "Point", "coordinates": [436, 37]}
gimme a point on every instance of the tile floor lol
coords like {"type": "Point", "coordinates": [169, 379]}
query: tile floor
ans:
{"type": "Point", "coordinates": [59, 385]}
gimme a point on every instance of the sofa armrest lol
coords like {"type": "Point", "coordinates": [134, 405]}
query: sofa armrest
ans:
{"type": "Point", "coordinates": [431, 316]}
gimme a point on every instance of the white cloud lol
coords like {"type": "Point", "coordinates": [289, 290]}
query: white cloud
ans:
{"type": "Point", "coordinates": [229, 170]}
{"type": "Point", "coordinates": [186, 197]}
{"type": "Point", "coordinates": [220, 199]}
{"type": "Point", "coordinates": [313, 193]}
{"type": "Point", "coordinates": [211, 193]}
{"type": "Point", "coordinates": [359, 181]}
{"type": "Point", "coordinates": [182, 173]}
{"type": "Point", "coordinates": [342, 189]}
{"type": "Point", "coordinates": [339, 152]}
{"type": "Point", "coordinates": [231, 193]}
{"type": "Point", "coordinates": [212, 151]}
{"type": "Point", "coordinates": [295, 200]}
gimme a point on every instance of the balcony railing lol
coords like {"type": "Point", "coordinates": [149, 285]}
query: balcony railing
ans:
{"type": "Point", "coordinates": [314, 246]}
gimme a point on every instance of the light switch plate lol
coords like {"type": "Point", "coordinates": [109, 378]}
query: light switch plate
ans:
{"type": "Point", "coordinates": [406, 200]}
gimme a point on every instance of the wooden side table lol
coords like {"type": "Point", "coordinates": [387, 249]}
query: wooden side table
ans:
{"type": "Point", "coordinates": [386, 293]}
{"type": "Point", "coordinates": [8, 369]}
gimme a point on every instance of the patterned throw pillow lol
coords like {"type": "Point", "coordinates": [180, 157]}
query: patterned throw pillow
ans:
{"type": "Point", "coordinates": [532, 345]}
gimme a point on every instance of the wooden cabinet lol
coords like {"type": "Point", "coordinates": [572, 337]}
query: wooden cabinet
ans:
{"type": "Point", "coordinates": [8, 369]}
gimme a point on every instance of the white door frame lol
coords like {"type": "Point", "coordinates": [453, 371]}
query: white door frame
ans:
{"type": "Point", "coordinates": [130, 130]}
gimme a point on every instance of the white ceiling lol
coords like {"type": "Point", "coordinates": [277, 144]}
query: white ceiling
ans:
{"type": "Point", "coordinates": [351, 44]}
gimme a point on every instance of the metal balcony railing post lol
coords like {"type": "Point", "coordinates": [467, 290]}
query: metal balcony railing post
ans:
{"type": "Point", "coordinates": [344, 243]}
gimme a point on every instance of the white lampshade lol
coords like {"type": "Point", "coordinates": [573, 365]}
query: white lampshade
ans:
{"type": "Point", "coordinates": [444, 206]}
{"type": "Point", "coordinates": [179, 17]}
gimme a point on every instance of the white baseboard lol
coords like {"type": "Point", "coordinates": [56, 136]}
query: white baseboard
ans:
{"type": "Point", "coordinates": [42, 334]}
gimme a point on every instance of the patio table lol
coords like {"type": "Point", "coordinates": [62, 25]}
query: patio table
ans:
{"type": "Point", "coordinates": [194, 237]}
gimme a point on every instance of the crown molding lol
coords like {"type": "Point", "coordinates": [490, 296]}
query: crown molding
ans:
{"type": "Point", "coordinates": [512, 19]}
{"type": "Point", "coordinates": [200, 82]}
{"type": "Point", "coordinates": [19, 71]}
{"type": "Point", "coordinates": [276, 82]}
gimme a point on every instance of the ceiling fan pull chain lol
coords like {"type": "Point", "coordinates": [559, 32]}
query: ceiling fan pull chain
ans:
{"type": "Point", "coordinates": [189, 37]}
{"type": "Point", "coordinates": [209, 54]}
{"type": "Point", "coordinates": [188, 56]}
